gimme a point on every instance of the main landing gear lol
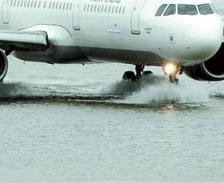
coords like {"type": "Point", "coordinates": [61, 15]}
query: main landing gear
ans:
{"type": "Point", "coordinates": [139, 72]}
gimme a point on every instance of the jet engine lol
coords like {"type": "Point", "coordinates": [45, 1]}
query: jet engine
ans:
{"type": "Point", "coordinates": [210, 70]}
{"type": "Point", "coordinates": [3, 65]}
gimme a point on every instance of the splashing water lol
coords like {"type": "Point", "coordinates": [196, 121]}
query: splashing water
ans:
{"type": "Point", "coordinates": [166, 92]}
{"type": "Point", "coordinates": [148, 90]}
{"type": "Point", "coordinates": [11, 90]}
{"type": "Point", "coordinates": [155, 89]}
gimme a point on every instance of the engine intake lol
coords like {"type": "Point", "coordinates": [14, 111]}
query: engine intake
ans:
{"type": "Point", "coordinates": [210, 70]}
{"type": "Point", "coordinates": [3, 65]}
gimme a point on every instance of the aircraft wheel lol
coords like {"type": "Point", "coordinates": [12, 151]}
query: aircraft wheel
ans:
{"type": "Point", "coordinates": [173, 79]}
{"type": "Point", "coordinates": [129, 76]}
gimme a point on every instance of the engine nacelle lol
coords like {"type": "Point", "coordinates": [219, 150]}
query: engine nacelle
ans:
{"type": "Point", "coordinates": [210, 70]}
{"type": "Point", "coordinates": [3, 65]}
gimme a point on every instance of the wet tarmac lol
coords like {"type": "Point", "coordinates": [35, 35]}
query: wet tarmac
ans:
{"type": "Point", "coordinates": [73, 123]}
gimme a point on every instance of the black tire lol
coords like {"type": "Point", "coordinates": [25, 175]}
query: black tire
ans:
{"type": "Point", "coordinates": [173, 79]}
{"type": "Point", "coordinates": [129, 76]}
{"type": "Point", "coordinates": [3, 66]}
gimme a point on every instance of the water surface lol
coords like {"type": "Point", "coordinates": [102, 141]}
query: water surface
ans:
{"type": "Point", "coordinates": [83, 124]}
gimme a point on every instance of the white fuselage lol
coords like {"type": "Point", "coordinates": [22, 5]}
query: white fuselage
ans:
{"type": "Point", "coordinates": [125, 31]}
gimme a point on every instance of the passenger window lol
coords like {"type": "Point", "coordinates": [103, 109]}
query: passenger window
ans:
{"type": "Point", "coordinates": [105, 9]}
{"type": "Point", "coordinates": [112, 10]}
{"type": "Point", "coordinates": [14, 3]}
{"type": "Point", "coordinates": [64, 5]}
{"type": "Point", "coordinates": [205, 9]}
{"type": "Point", "coordinates": [28, 3]}
{"type": "Point", "coordinates": [56, 6]}
{"type": "Point", "coordinates": [98, 10]}
{"type": "Point", "coordinates": [21, 3]}
{"type": "Point", "coordinates": [124, 10]}
{"type": "Point", "coordinates": [102, 8]}
{"type": "Point", "coordinates": [17, 3]}
{"type": "Point", "coordinates": [120, 10]}
{"type": "Point", "coordinates": [24, 3]}
{"type": "Point", "coordinates": [116, 10]}
{"type": "Point", "coordinates": [45, 4]}
{"type": "Point", "coordinates": [31, 4]}
{"type": "Point", "coordinates": [84, 9]}
{"type": "Point", "coordinates": [39, 4]}
{"type": "Point", "coordinates": [67, 6]}
{"type": "Point", "coordinates": [95, 9]}
{"type": "Point", "coordinates": [171, 10]}
{"type": "Point", "coordinates": [53, 5]}
{"type": "Point", "coordinates": [49, 5]}
{"type": "Point", "coordinates": [184, 9]}
{"type": "Point", "coordinates": [35, 4]}
{"type": "Point", "coordinates": [87, 8]}
{"type": "Point", "coordinates": [161, 10]}
{"type": "Point", "coordinates": [92, 8]}
{"type": "Point", "coordinates": [60, 5]}
{"type": "Point", "coordinates": [109, 9]}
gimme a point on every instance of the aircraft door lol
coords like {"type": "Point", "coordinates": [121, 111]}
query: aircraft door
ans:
{"type": "Point", "coordinates": [75, 16]}
{"type": "Point", "coordinates": [135, 16]}
{"type": "Point", "coordinates": [5, 12]}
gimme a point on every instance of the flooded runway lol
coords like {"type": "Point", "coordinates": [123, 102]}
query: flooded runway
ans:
{"type": "Point", "coordinates": [74, 123]}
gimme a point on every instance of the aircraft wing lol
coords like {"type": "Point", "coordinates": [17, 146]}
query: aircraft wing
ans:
{"type": "Point", "coordinates": [19, 40]}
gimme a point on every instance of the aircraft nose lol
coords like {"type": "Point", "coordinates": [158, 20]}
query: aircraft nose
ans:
{"type": "Point", "coordinates": [211, 38]}
{"type": "Point", "coordinates": [208, 37]}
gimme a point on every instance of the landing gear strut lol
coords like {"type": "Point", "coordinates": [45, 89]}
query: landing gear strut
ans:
{"type": "Point", "coordinates": [139, 72]}
{"type": "Point", "coordinates": [171, 71]}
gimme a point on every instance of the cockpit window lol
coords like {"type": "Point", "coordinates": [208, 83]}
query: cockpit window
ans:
{"type": "Point", "coordinates": [205, 9]}
{"type": "Point", "coordinates": [171, 10]}
{"type": "Point", "coordinates": [187, 9]}
{"type": "Point", "coordinates": [161, 10]}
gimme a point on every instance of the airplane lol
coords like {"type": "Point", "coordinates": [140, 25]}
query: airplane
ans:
{"type": "Point", "coordinates": [177, 35]}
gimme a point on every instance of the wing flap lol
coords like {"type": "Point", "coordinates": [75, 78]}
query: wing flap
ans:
{"type": "Point", "coordinates": [18, 40]}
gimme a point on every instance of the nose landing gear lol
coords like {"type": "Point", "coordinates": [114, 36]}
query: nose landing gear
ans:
{"type": "Point", "coordinates": [171, 71]}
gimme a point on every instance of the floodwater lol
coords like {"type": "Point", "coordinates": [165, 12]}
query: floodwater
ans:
{"type": "Point", "coordinates": [74, 123]}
